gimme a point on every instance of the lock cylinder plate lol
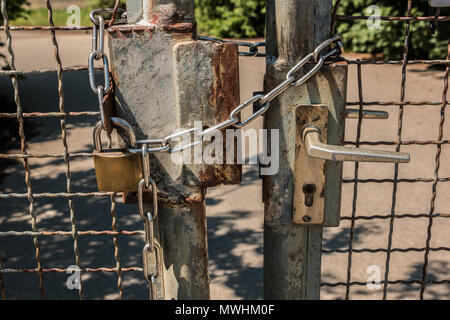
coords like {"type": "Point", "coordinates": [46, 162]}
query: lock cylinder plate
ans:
{"type": "Point", "coordinates": [309, 177]}
{"type": "Point", "coordinates": [317, 182]}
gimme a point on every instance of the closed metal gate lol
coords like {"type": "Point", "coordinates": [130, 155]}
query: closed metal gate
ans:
{"type": "Point", "coordinates": [393, 242]}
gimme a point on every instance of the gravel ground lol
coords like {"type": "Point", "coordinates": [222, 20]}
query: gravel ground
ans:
{"type": "Point", "coordinates": [235, 213]}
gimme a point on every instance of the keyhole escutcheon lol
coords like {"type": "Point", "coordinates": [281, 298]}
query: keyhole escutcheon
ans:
{"type": "Point", "coordinates": [309, 189]}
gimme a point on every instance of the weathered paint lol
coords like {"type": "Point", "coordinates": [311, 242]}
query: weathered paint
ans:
{"type": "Point", "coordinates": [185, 251]}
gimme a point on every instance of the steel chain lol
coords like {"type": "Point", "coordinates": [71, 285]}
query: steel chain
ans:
{"type": "Point", "coordinates": [98, 53]}
{"type": "Point", "coordinates": [318, 56]}
{"type": "Point", "coordinates": [253, 48]}
{"type": "Point", "coordinates": [151, 253]}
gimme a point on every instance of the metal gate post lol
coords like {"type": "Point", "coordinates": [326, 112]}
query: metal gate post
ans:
{"type": "Point", "coordinates": [292, 253]}
{"type": "Point", "coordinates": [165, 81]}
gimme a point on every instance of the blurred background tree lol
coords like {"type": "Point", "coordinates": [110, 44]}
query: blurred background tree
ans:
{"type": "Point", "coordinates": [16, 9]}
{"type": "Point", "coordinates": [231, 18]}
{"type": "Point", "coordinates": [388, 40]}
{"type": "Point", "coordinates": [241, 19]}
{"type": "Point", "coordinates": [9, 130]}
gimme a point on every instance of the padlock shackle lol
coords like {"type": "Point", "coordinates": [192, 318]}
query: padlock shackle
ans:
{"type": "Point", "coordinates": [117, 123]}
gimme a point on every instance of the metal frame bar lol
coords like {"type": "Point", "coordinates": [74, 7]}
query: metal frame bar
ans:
{"type": "Point", "coordinates": [292, 253]}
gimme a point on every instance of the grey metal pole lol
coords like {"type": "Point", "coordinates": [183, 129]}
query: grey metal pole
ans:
{"type": "Point", "coordinates": [292, 253]}
{"type": "Point", "coordinates": [165, 81]}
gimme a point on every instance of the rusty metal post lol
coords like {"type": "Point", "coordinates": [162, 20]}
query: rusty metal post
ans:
{"type": "Point", "coordinates": [165, 81]}
{"type": "Point", "coordinates": [292, 253]}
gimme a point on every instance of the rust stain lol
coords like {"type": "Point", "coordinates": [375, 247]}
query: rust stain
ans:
{"type": "Point", "coordinates": [221, 174]}
{"type": "Point", "coordinates": [114, 76]}
{"type": "Point", "coordinates": [120, 35]}
{"type": "Point", "coordinates": [175, 199]}
{"type": "Point", "coordinates": [169, 18]}
{"type": "Point", "coordinates": [195, 198]}
{"type": "Point", "coordinates": [126, 30]}
{"type": "Point", "coordinates": [224, 98]}
{"type": "Point", "coordinates": [209, 177]}
{"type": "Point", "coordinates": [225, 92]}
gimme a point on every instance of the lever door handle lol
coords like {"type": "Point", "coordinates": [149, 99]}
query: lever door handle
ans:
{"type": "Point", "coordinates": [317, 149]}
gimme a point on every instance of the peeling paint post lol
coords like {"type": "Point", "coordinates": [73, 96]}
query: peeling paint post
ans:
{"type": "Point", "coordinates": [292, 253]}
{"type": "Point", "coordinates": [165, 82]}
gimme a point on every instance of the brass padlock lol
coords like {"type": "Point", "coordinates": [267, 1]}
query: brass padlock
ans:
{"type": "Point", "coordinates": [117, 170]}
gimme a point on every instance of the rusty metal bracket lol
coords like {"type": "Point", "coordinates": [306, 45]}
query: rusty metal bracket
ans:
{"type": "Point", "coordinates": [216, 94]}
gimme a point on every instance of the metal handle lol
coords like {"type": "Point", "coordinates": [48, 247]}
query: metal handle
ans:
{"type": "Point", "coordinates": [319, 150]}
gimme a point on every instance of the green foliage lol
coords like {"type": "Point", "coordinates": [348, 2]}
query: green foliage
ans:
{"type": "Point", "coordinates": [15, 9]}
{"type": "Point", "coordinates": [246, 18]}
{"type": "Point", "coordinates": [39, 17]}
{"type": "Point", "coordinates": [389, 39]}
{"type": "Point", "coordinates": [231, 18]}
{"type": "Point", "coordinates": [96, 4]}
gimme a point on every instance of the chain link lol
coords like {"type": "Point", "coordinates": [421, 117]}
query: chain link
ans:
{"type": "Point", "coordinates": [97, 54]}
{"type": "Point", "coordinates": [151, 253]}
{"type": "Point", "coordinates": [318, 56]}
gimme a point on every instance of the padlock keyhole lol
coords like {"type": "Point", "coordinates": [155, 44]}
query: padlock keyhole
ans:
{"type": "Point", "coordinates": [309, 189]}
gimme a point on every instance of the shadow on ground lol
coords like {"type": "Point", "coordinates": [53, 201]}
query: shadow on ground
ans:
{"type": "Point", "coordinates": [245, 281]}
{"type": "Point", "coordinates": [437, 269]}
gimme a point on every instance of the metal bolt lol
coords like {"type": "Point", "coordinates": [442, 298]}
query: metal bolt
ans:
{"type": "Point", "coordinates": [307, 219]}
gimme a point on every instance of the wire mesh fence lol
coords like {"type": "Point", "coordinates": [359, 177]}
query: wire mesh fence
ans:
{"type": "Point", "coordinates": [353, 224]}
{"type": "Point", "coordinates": [417, 282]}
{"type": "Point", "coordinates": [69, 196]}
